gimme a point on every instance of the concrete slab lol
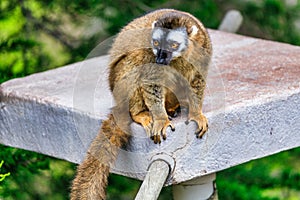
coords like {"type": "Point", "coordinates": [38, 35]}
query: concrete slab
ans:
{"type": "Point", "coordinates": [252, 103]}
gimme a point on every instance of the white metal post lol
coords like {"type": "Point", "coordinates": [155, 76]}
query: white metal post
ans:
{"type": "Point", "coordinates": [154, 180]}
{"type": "Point", "coordinates": [231, 22]}
{"type": "Point", "coordinates": [202, 188]}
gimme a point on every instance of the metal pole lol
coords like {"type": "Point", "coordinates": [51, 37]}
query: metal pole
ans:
{"type": "Point", "coordinates": [202, 188]}
{"type": "Point", "coordinates": [154, 180]}
{"type": "Point", "coordinates": [231, 22]}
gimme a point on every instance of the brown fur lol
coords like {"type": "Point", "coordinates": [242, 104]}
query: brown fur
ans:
{"type": "Point", "coordinates": [146, 93]}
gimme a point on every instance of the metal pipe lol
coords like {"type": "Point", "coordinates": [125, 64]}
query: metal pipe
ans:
{"type": "Point", "coordinates": [154, 180]}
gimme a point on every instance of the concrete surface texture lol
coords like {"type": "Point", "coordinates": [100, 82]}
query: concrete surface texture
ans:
{"type": "Point", "coordinates": [252, 103]}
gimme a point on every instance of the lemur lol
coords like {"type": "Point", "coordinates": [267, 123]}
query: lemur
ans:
{"type": "Point", "coordinates": [147, 59]}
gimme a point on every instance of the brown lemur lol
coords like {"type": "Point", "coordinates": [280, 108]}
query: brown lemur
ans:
{"type": "Point", "coordinates": [149, 58]}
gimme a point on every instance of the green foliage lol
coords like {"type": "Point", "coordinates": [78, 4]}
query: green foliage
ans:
{"type": "Point", "coordinates": [3, 176]}
{"type": "Point", "coordinates": [120, 187]}
{"type": "Point", "coordinates": [32, 29]}
{"type": "Point", "coordinates": [272, 19]}
{"type": "Point", "coordinates": [39, 35]}
{"type": "Point", "coordinates": [207, 11]}
{"type": "Point", "coordinates": [270, 178]}
{"type": "Point", "coordinates": [34, 176]}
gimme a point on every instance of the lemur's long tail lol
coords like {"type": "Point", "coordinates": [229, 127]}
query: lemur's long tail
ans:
{"type": "Point", "coordinates": [92, 174]}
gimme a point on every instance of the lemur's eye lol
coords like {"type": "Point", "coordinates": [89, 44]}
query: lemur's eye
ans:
{"type": "Point", "coordinates": [174, 45]}
{"type": "Point", "coordinates": [155, 43]}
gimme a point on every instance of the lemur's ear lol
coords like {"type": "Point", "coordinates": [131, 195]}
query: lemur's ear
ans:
{"type": "Point", "coordinates": [153, 24]}
{"type": "Point", "coordinates": [193, 30]}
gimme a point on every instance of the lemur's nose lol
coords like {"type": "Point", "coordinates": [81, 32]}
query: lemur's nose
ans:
{"type": "Point", "coordinates": [163, 57]}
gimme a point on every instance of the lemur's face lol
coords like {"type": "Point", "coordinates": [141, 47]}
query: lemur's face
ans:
{"type": "Point", "coordinates": [168, 43]}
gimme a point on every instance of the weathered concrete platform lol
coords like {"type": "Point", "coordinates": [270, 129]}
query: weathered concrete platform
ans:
{"type": "Point", "coordinates": [252, 103]}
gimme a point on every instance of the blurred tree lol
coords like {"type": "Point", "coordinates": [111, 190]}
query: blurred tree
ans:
{"type": "Point", "coordinates": [273, 177]}
{"type": "Point", "coordinates": [31, 30]}
{"type": "Point", "coordinates": [269, 19]}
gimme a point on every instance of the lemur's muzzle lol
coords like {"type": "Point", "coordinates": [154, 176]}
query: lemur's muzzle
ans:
{"type": "Point", "coordinates": [163, 57]}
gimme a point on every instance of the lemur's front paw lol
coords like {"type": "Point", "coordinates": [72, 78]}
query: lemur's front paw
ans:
{"type": "Point", "coordinates": [159, 129]}
{"type": "Point", "coordinates": [145, 119]}
{"type": "Point", "coordinates": [201, 122]}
